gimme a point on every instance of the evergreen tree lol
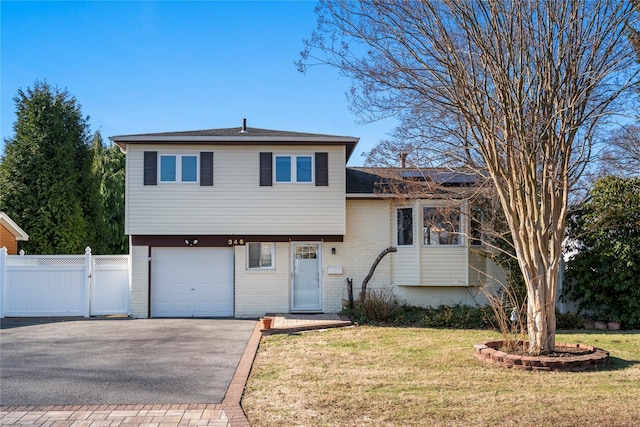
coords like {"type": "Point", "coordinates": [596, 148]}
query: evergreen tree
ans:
{"type": "Point", "coordinates": [604, 275]}
{"type": "Point", "coordinates": [46, 179]}
{"type": "Point", "coordinates": [109, 169]}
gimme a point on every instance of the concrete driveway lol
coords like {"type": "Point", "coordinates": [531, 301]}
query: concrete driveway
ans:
{"type": "Point", "coordinates": [119, 361]}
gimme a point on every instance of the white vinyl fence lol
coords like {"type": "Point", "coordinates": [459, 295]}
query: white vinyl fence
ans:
{"type": "Point", "coordinates": [63, 285]}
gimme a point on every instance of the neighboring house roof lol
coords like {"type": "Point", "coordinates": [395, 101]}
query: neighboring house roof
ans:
{"type": "Point", "coordinates": [362, 181]}
{"type": "Point", "coordinates": [237, 135]}
{"type": "Point", "coordinates": [13, 228]}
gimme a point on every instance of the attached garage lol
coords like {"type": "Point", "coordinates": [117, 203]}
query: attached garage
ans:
{"type": "Point", "coordinates": [192, 282]}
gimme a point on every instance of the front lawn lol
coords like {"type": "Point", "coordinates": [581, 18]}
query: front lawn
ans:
{"type": "Point", "coordinates": [418, 376]}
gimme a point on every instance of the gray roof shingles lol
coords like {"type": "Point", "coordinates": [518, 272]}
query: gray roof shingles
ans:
{"type": "Point", "coordinates": [231, 133]}
{"type": "Point", "coordinates": [236, 135]}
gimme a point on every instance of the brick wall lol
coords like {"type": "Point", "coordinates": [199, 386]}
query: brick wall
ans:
{"type": "Point", "coordinates": [140, 281]}
{"type": "Point", "coordinates": [262, 291]}
{"type": "Point", "coordinates": [368, 234]}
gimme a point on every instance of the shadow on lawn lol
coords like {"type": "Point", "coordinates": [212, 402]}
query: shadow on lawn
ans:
{"type": "Point", "coordinates": [617, 364]}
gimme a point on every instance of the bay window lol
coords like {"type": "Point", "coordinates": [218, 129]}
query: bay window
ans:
{"type": "Point", "coordinates": [441, 226]}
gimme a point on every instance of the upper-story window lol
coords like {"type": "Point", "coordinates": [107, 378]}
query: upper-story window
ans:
{"type": "Point", "coordinates": [441, 226]}
{"type": "Point", "coordinates": [178, 168]}
{"type": "Point", "coordinates": [295, 169]}
{"type": "Point", "coordinates": [187, 168]}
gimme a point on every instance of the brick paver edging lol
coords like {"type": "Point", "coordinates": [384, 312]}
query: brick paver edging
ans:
{"type": "Point", "coordinates": [594, 358]}
{"type": "Point", "coordinates": [233, 398]}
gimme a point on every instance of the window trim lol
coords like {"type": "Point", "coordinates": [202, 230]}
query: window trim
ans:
{"type": "Point", "coordinates": [293, 158]}
{"type": "Point", "coordinates": [273, 256]}
{"type": "Point", "coordinates": [413, 218]}
{"type": "Point", "coordinates": [461, 226]}
{"type": "Point", "coordinates": [178, 157]}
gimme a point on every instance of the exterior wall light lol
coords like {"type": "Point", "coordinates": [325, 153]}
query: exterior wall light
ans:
{"type": "Point", "coordinates": [190, 242]}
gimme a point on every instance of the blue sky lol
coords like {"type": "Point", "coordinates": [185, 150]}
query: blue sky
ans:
{"type": "Point", "coordinates": [149, 66]}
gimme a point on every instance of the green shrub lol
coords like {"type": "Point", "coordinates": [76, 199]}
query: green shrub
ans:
{"type": "Point", "coordinates": [379, 306]}
{"type": "Point", "coordinates": [458, 317]}
{"type": "Point", "coordinates": [569, 321]}
{"type": "Point", "coordinates": [382, 310]}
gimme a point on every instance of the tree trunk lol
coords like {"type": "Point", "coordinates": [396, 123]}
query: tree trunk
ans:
{"type": "Point", "coordinates": [541, 320]}
{"type": "Point", "coordinates": [363, 292]}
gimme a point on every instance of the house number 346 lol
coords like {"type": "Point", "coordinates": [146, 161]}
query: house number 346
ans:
{"type": "Point", "coordinates": [235, 242]}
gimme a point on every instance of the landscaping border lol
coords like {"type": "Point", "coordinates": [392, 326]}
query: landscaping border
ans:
{"type": "Point", "coordinates": [490, 352]}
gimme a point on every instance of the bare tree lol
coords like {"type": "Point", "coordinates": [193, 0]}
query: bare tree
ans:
{"type": "Point", "coordinates": [622, 153]}
{"type": "Point", "coordinates": [517, 87]}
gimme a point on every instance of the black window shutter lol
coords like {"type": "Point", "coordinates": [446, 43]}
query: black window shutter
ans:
{"type": "Point", "coordinates": [206, 169]}
{"type": "Point", "coordinates": [322, 169]}
{"type": "Point", "coordinates": [266, 173]}
{"type": "Point", "coordinates": [150, 168]}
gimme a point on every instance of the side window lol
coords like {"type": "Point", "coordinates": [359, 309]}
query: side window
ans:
{"type": "Point", "coordinates": [441, 226]}
{"type": "Point", "coordinates": [405, 226]}
{"type": "Point", "coordinates": [260, 255]}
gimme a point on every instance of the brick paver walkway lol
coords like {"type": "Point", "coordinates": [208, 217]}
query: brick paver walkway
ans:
{"type": "Point", "coordinates": [114, 415]}
{"type": "Point", "coordinates": [227, 414]}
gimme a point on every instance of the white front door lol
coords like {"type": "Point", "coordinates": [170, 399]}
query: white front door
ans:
{"type": "Point", "coordinates": [306, 293]}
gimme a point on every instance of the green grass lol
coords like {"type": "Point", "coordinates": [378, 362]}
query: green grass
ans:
{"type": "Point", "coordinates": [371, 376]}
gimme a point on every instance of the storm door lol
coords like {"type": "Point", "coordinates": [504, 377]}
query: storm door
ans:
{"type": "Point", "coordinates": [306, 284]}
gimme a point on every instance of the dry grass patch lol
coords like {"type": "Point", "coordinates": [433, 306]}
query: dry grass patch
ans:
{"type": "Point", "coordinates": [409, 376]}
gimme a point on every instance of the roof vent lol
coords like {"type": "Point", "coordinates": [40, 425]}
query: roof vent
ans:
{"type": "Point", "coordinates": [244, 126]}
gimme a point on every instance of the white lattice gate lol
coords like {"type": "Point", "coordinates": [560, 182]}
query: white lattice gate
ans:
{"type": "Point", "coordinates": [63, 285]}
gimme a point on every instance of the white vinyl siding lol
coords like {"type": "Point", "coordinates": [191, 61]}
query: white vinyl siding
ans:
{"type": "Point", "coordinates": [444, 266]}
{"type": "Point", "coordinates": [237, 204]}
{"type": "Point", "coordinates": [405, 267]}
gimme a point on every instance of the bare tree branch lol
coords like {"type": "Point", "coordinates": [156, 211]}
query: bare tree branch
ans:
{"type": "Point", "coordinates": [515, 88]}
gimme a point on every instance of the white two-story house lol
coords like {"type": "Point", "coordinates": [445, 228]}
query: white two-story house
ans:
{"type": "Point", "coordinates": [244, 221]}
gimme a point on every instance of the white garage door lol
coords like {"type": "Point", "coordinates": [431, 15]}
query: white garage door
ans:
{"type": "Point", "coordinates": [191, 282]}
